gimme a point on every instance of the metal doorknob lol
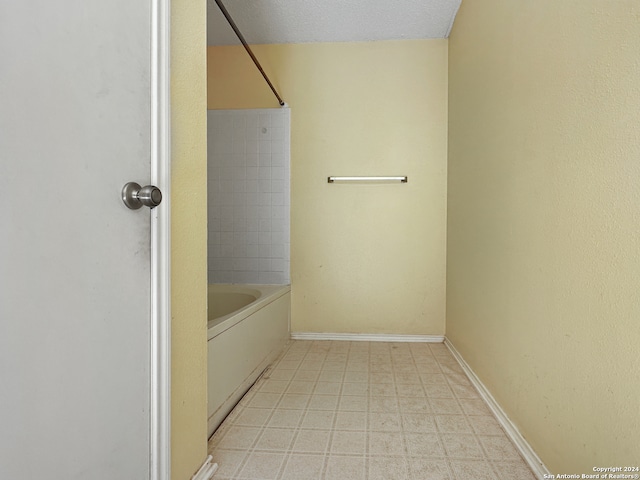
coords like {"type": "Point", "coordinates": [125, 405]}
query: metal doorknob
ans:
{"type": "Point", "coordinates": [134, 196]}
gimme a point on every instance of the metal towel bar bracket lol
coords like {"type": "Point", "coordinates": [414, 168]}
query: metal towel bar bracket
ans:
{"type": "Point", "coordinates": [403, 179]}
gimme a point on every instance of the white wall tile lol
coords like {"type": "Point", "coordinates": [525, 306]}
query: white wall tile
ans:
{"type": "Point", "coordinates": [265, 224]}
{"type": "Point", "coordinates": [252, 185]}
{"type": "Point", "coordinates": [239, 253]}
{"type": "Point", "coordinates": [240, 264]}
{"type": "Point", "coordinates": [277, 173]}
{"type": "Point", "coordinates": [251, 147]}
{"type": "Point", "coordinates": [277, 251]}
{"type": "Point", "coordinates": [277, 199]}
{"type": "Point", "coordinates": [279, 121]}
{"type": "Point", "coordinates": [277, 186]}
{"type": "Point", "coordinates": [264, 238]}
{"type": "Point", "coordinates": [239, 195]}
{"type": "Point", "coordinates": [239, 238]}
{"type": "Point", "coordinates": [264, 185]}
{"type": "Point", "coordinates": [264, 173]}
{"type": "Point", "coordinates": [240, 225]}
{"type": "Point", "coordinates": [277, 225]}
{"type": "Point", "coordinates": [279, 212]}
{"type": "Point", "coordinates": [239, 125]}
{"type": "Point", "coordinates": [265, 264]}
{"type": "Point", "coordinates": [237, 277]}
{"type": "Point", "coordinates": [277, 133]}
{"type": "Point", "coordinates": [225, 185]}
{"type": "Point", "coordinates": [252, 252]}
{"type": "Point", "coordinates": [264, 133]}
{"type": "Point", "coordinates": [253, 225]}
{"type": "Point", "coordinates": [238, 145]}
{"type": "Point", "coordinates": [264, 120]}
{"type": "Point", "coordinates": [226, 238]}
{"type": "Point", "coordinates": [214, 238]}
{"type": "Point", "coordinates": [226, 211]}
{"type": "Point", "coordinates": [264, 158]}
{"type": "Point", "coordinates": [264, 146]}
{"type": "Point", "coordinates": [252, 121]}
{"type": "Point", "coordinates": [252, 238]}
{"type": "Point", "coordinates": [277, 264]}
{"type": "Point", "coordinates": [251, 159]}
{"type": "Point", "coordinates": [278, 160]}
{"type": "Point", "coordinates": [239, 209]}
{"type": "Point", "coordinates": [251, 135]}
{"type": "Point", "coordinates": [248, 200]}
{"type": "Point", "coordinates": [239, 172]}
{"type": "Point", "coordinates": [216, 251]}
{"type": "Point", "coordinates": [277, 146]}
{"type": "Point", "coordinates": [226, 264]}
{"type": "Point", "coordinates": [252, 173]}
{"type": "Point", "coordinates": [254, 265]}
{"type": "Point", "coordinates": [226, 225]}
{"type": "Point", "coordinates": [252, 198]}
{"type": "Point", "coordinates": [265, 199]}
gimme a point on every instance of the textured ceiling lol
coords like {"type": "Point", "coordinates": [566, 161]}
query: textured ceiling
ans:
{"type": "Point", "coordinates": [302, 21]}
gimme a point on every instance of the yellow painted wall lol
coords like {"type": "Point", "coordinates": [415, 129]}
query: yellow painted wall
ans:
{"type": "Point", "coordinates": [364, 258]}
{"type": "Point", "coordinates": [188, 238]}
{"type": "Point", "coordinates": [543, 274]}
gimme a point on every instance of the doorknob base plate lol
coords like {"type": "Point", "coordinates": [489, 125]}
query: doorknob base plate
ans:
{"type": "Point", "coordinates": [130, 195]}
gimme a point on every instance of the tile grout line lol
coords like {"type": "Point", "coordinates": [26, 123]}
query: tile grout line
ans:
{"type": "Point", "coordinates": [287, 454]}
{"type": "Point", "coordinates": [485, 455]}
{"type": "Point", "coordinates": [323, 469]}
{"type": "Point", "coordinates": [404, 435]}
{"type": "Point", "coordinates": [437, 432]}
{"type": "Point", "coordinates": [403, 364]}
{"type": "Point", "coordinates": [394, 369]}
{"type": "Point", "coordinates": [333, 426]}
{"type": "Point", "coordinates": [252, 449]}
{"type": "Point", "coordinates": [240, 404]}
{"type": "Point", "coordinates": [292, 441]}
{"type": "Point", "coordinates": [448, 456]}
{"type": "Point", "coordinates": [298, 427]}
{"type": "Point", "coordinates": [367, 434]}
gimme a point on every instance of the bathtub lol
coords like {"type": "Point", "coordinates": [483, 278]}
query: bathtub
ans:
{"type": "Point", "coordinates": [248, 325]}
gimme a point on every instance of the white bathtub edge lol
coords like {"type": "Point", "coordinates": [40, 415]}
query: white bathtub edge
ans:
{"type": "Point", "coordinates": [269, 294]}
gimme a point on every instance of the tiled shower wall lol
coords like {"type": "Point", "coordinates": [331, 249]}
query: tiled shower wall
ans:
{"type": "Point", "coordinates": [248, 176]}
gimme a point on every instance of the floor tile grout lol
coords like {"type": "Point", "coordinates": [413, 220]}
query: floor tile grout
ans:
{"type": "Point", "coordinates": [403, 411]}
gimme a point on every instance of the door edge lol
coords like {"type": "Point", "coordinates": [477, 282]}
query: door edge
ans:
{"type": "Point", "coordinates": [160, 370]}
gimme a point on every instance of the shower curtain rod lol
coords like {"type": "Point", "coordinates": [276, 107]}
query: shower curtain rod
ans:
{"type": "Point", "coordinates": [246, 47]}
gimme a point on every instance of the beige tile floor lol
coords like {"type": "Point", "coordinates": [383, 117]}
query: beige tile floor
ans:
{"type": "Point", "coordinates": [364, 410]}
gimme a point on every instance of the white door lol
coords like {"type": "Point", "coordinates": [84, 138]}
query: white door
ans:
{"type": "Point", "coordinates": [80, 322]}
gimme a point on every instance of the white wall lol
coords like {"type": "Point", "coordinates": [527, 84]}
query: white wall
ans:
{"type": "Point", "coordinates": [248, 184]}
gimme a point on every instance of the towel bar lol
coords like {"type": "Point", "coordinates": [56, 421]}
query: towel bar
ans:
{"type": "Point", "coordinates": [403, 179]}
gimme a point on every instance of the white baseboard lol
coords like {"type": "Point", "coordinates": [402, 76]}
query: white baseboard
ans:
{"type": "Point", "coordinates": [207, 470]}
{"type": "Point", "coordinates": [367, 337]}
{"type": "Point", "coordinates": [530, 456]}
